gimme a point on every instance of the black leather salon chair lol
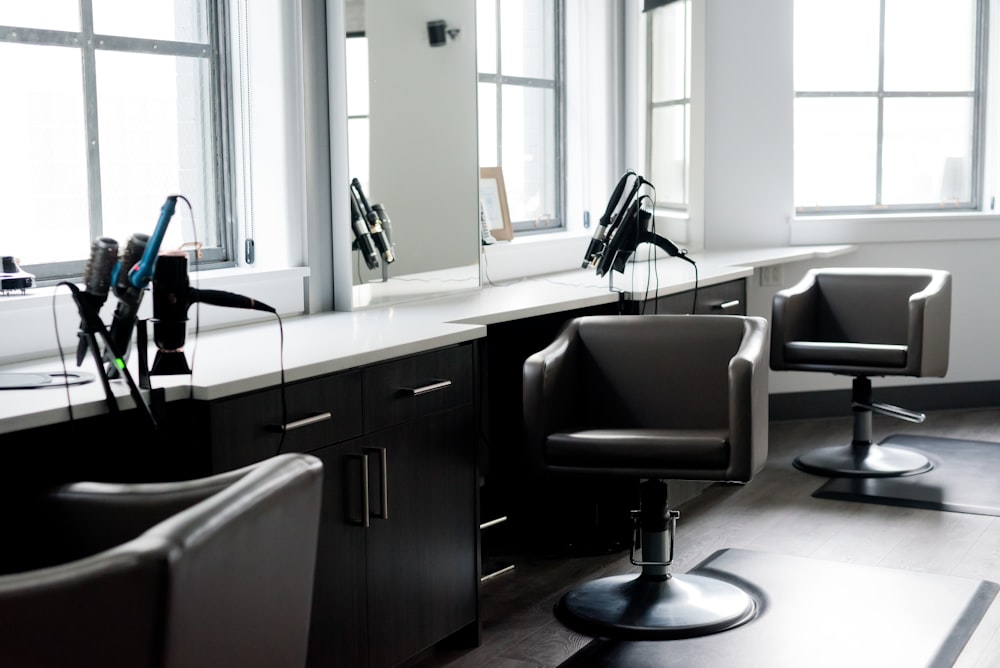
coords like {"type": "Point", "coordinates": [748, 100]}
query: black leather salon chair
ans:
{"type": "Point", "coordinates": [652, 398]}
{"type": "Point", "coordinates": [864, 322]}
{"type": "Point", "coordinates": [210, 572]}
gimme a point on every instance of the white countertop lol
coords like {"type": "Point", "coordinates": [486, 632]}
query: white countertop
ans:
{"type": "Point", "coordinates": [251, 357]}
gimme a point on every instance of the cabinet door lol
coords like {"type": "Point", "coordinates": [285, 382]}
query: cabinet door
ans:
{"type": "Point", "coordinates": [422, 570]}
{"type": "Point", "coordinates": [338, 627]}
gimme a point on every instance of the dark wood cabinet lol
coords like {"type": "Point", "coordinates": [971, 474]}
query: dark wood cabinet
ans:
{"type": "Point", "coordinates": [397, 562]}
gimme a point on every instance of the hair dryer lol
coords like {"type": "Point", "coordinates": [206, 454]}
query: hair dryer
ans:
{"type": "Point", "coordinates": [172, 296]}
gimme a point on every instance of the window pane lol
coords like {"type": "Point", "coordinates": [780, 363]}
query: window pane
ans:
{"type": "Point", "coordinates": [357, 76]}
{"type": "Point", "coordinates": [926, 150]}
{"type": "Point", "coordinates": [155, 128]}
{"type": "Point", "coordinates": [835, 152]}
{"type": "Point", "coordinates": [51, 15]}
{"type": "Point", "coordinates": [358, 149]}
{"type": "Point", "coordinates": [529, 153]}
{"type": "Point", "coordinates": [488, 126]}
{"type": "Point", "coordinates": [836, 45]}
{"type": "Point", "coordinates": [486, 36]}
{"type": "Point", "coordinates": [43, 169]}
{"type": "Point", "coordinates": [527, 37]}
{"type": "Point", "coordinates": [668, 158]}
{"type": "Point", "coordinates": [177, 20]}
{"type": "Point", "coordinates": [930, 45]}
{"type": "Point", "coordinates": [668, 43]}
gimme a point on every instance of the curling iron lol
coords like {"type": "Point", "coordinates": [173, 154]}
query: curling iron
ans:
{"type": "Point", "coordinates": [362, 237]}
{"type": "Point", "coordinates": [129, 279]}
{"type": "Point", "coordinates": [612, 213]}
{"type": "Point", "coordinates": [375, 224]}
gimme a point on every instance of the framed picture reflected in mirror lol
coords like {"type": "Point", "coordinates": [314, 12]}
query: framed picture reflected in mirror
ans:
{"type": "Point", "coordinates": [493, 212]}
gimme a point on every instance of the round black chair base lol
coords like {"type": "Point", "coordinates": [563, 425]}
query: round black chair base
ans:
{"type": "Point", "coordinates": [629, 607]}
{"type": "Point", "coordinates": [866, 461]}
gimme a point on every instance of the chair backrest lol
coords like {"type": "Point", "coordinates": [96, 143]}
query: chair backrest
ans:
{"type": "Point", "coordinates": [860, 308]}
{"type": "Point", "coordinates": [692, 376]}
{"type": "Point", "coordinates": [216, 571]}
{"type": "Point", "coordinates": [870, 321]}
{"type": "Point", "coordinates": [647, 371]}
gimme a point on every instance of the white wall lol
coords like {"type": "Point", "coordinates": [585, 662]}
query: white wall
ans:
{"type": "Point", "coordinates": [748, 190]}
{"type": "Point", "coordinates": [424, 156]}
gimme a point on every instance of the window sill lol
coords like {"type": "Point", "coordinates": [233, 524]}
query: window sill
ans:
{"type": "Point", "coordinates": [889, 228]}
{"type": "Point", "coordinates": [534, 255]}
{"type": "Point", "coordinates": [44, 318]}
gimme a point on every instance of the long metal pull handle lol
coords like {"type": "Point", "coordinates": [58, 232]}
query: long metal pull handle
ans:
{"type": "Point", "coordinates": [383, 476]}
{"type": "Point", "coordinates": [725, 306]}
{"type": "Point", "coordinates": [365, 506]}
{"type": "Point", "coordinates": [366, 509]}
{"type": "Point", "coordinates": [433, 387]}
{"type": "Point", "coordinates": [304, 422]}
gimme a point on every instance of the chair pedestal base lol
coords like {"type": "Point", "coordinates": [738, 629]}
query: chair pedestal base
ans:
{"type": "Point", "coordinates": [861, 458]}
{"type": "Point", "coordinates": [633, 607]}
{"type": "Point", "coordinates": [867, 460]}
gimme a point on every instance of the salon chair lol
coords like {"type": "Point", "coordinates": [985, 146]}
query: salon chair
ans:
{"type": "Point", "coordinates": [864, 322]}
{"type": "Point", "coordinates": [216, 571]}
{"type": "Point", "coordinates": [651, 398]}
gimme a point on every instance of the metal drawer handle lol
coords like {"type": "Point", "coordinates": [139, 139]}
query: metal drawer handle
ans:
{"type": "Point", "coordinates": [305, 422]}
{"type": "Point", "coordinates": [433, 387]}
{"type": "Point", "coordinates": [732, 303]}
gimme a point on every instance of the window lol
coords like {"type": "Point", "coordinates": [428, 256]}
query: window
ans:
{"type": "Point", "coordinates": [889, 105]}
{"type": "Point", "coordinates": [357, 106]}
{"type": "Point", "coordinates": [668, 95]}
{"type": "Point", "coordinates": [520, 105]}
{"type": "Point", "coordinates": [109, 107]}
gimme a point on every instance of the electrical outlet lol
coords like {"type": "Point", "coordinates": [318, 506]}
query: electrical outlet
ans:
{"type": "Point", "coordinates": [770, 275]}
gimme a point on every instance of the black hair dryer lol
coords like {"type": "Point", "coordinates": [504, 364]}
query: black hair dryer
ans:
{"type": "Point", "coordinates": [172, 296]}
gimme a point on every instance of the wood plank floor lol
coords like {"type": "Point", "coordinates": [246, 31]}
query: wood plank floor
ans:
{"type": "Point", "coordinates": [775, 512]}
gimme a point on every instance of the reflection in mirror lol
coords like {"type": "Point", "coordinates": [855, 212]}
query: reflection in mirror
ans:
{"type": "Point", "coordinates": [412, 146]}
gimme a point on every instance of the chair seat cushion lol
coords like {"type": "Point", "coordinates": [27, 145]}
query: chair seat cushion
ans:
{"type": "Point", "coordinates": [845, 354]}
{"type": "Point", "coordinates": [632, 448]}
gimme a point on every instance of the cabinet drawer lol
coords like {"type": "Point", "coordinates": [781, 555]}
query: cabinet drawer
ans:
{"type": "Point", "coordinates": [408, 388]}
{"type": "Point", "coordinates": [319, 412]}
{"type": "Point", "coordinates": [720, 299]}
{"type": "Point", "coordinates": [728, 298]}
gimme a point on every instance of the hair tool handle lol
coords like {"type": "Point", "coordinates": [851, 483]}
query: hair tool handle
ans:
{"type": "Point", "coordinates": [129, 298]}
{"type": "Point", "coordinates": [600, 233]}
{"type": "Point", "coordinates": [362, 235]}
{"type": "Point", "coordinates": [96, 285]}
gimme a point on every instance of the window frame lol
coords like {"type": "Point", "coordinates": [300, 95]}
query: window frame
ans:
{"type": "Point", "coordinates": [684, 102]}
{"type": "Point", "coordinates": [979, 151]}
{"type": "Point", "coordinates": [221, 105]}
{"type": "Point", "coordinates": [557, 85]}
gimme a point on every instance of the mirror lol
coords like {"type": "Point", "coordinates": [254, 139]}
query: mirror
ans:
{"type": "Point", "coordinates": [417, 138]}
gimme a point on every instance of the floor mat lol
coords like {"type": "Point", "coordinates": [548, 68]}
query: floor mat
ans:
{"type": "Point", "coordinates": [819, 613]}
{"type": "Point", "coordinates": [963, 479]}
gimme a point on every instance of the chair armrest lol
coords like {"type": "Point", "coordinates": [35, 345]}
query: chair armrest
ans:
{"type": "Point", "coordinates": [549, 397]}
{"type": "Point", "coordinates": [930, 327]}
{"type": "Point", "coordinates": [793, 314]}
{"type": "Point", "coordinates": [102, 610]}
{"type": "Point", "coordinates": [748, 401]}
